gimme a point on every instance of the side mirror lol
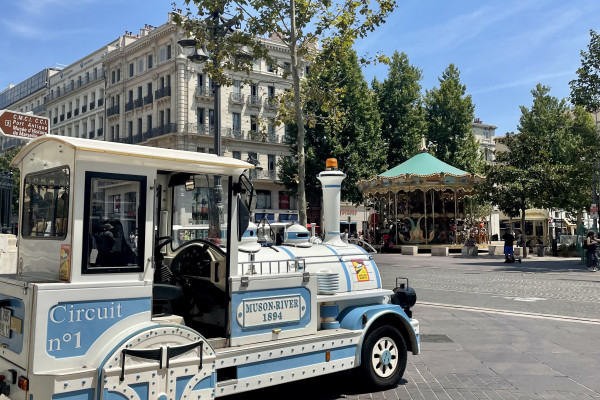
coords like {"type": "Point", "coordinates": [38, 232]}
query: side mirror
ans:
{"type": "Point", "coordinates": [245, 191]}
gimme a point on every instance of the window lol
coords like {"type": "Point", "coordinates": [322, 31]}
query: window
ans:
{"type": "Point", "coordinates": [254, 123]}
{"type": "Point", "coordinates": [256, 64]}
{"type": "Point", "coordinates": [237, 155]}
{"type": "Point", "coordinates": [271, 162]}
{"type": "Point", "coordinates": [150, 61]}
{"type": "Point", "coordinates": [46, 204]}
{"type": "Point", "coordinates": [307, 70]}
{"type": "Point", "coordinates": [200, 80]}
{"type": "Point", "coordinates": [211, 119]}
{"type": "Point", "coordinates": [287, 67]}
{"type": "Point", "coordinates": [139, 96]}
{"type": "Point", "coordinates": [263, 199]}
{"type": "Point", "coordinates": [254, 90]}
{"type": "Point", "coordinates": [271, 92]}
{"type": "Point", "coordinates": [130, 70]}
{"type": "Point", "coordinates": [237, 87]}
{"type": "Point", "coordinates": [194, 210]}
{"type": "Point", "coordinates": [118, 74]}
{"type": "Point", "coordinates": [237, 122]}
{"type": "Point", "coordinates": [200, 116]}
{"type": "Point", "coordinates": [130, 96]}
{"type": "Point", "coordinates": [148, 123]}
{"type": "Point", "coordinates": [168, 52]}
{"type": "Point", "coordinates": [130, 129]}
{"type": "Point", "coordinates": [271, 128]}
{"type": "Point", "coordinates": [113, 75]}
{"type": "Point", "coordinates": [271, 67]}
{"type": "Point", "coordinates": [139, 127]}
{"type": "Point", "coordinates": [114, 219]}
{"type": "Point", "coordinates": [140, 65]}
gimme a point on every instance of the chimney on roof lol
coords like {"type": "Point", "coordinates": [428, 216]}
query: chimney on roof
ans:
{"type": "Point", "coordinates": [477, 121]}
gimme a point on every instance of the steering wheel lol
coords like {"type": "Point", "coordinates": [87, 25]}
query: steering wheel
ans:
{"type": "Point", "coordinates": [191, 260]}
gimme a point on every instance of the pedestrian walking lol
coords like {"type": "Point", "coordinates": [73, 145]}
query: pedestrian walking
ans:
{"type": "Point", "coordinates": [509, 241]}
{"type": "Point", "coordinates": [591, 246]}
{"type": "Point", "coordinates": [344, 236]}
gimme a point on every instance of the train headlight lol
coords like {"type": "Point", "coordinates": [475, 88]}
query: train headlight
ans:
{"type": "Point", "coordinates": [404, 296]}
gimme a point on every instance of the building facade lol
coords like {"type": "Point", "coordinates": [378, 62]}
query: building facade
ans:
{"type": "Point", "coordinates": [141, 89]}
{"type": "Point", "coordinates": [484, 134]}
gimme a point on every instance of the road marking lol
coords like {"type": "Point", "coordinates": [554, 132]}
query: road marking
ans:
{"type": "Point", "coordinates": [512, 313]}
{"type": "Point", "coordinates": [527, 299]}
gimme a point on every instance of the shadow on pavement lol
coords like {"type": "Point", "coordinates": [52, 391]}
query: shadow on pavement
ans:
{"type": "Point", "coordinates": [329, 387]}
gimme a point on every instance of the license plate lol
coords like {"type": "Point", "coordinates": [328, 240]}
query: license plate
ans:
{"type": "Point", "coordinates": [5, 315]}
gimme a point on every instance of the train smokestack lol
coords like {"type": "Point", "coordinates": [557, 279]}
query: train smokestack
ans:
{"type": "Point", "coordinates": [331, 180]}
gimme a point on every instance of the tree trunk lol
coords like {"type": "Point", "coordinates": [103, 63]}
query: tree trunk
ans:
{"type": "Point", "coordinates": [299, 118]}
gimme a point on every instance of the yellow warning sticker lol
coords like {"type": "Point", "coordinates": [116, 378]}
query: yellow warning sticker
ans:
{"type": "Point", "coordinates": [361, 270]}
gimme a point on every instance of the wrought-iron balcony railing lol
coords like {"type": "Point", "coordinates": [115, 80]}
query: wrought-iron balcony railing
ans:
{"type": "Point", "coordinates": [162, 92]}
{"type": "Point", "coordinates": [237, 98]}
{"type": "Point", "coordinates": [148, 99]}
{"type": "Point", "coordinates": [137, 103]}
{"type": "Point", "coordinates": [129, 106]}
{"type": "Point", "coordinates": [271, 103]}
{"type": "Point", "coordinates": [196, 128]}
{"type": "Point", "coordinates": [100, 102]}
{"type": "Point", "coordinates": [203, 91]}
{"type": "Point", "coordinates": [69, 114]}
{"type": "Point", "coordinates": [114, 110]}
{"type": "Point", "coordinates": [83, 108]}
{"type": "Point", "coordinates": [254, 101]}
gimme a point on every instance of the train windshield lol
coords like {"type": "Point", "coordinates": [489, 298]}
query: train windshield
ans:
{"type": "Point", "coordinates": [200, 210]}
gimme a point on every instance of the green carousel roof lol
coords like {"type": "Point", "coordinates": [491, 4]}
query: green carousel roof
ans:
{"type": "Point", "coordinates": [423, 172]}
{"type": "Point", "coordinates": [422, 164]}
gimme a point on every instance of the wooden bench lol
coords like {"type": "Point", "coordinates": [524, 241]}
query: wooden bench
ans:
{"type": "Point", "coordinates": [409, 250]}
{"type": "Point", "coordinates": [440, 251]}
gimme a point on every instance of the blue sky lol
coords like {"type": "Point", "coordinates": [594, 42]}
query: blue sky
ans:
{"type": "Point", "coordinates": [503, 48]}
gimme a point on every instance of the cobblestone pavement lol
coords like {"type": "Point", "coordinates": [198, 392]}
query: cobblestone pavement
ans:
{"type": "Point", "coordinates": [523, 349]}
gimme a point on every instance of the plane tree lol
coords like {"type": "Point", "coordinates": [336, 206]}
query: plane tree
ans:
{"type": "Point", "coordinates": [301, 25]}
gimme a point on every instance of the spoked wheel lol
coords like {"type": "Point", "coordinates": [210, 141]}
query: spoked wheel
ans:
{"type": "Point", "coordinates": [383, 358]}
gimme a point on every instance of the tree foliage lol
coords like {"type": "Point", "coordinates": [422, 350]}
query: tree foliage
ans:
{"type": "Point", "coordinates": [299, 25]}
{"type": "Point", "coordinates": [348, 132]}
{"type": "Point", "coordinates": [401, 108]}
{"type": "Point", "coordinates": [449, 113]}
{"type": "Point", "coordinates": [585, 89]}
{"type": "Point", "coordinates": [544, 165]}
{"type": "Point", "coordinates": [5, 159]}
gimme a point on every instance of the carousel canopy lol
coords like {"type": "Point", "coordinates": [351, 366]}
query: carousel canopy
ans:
{"type": "Point", "coordinates": [423, 164]}
{"type": "Point", "coordinates": [423, 172]}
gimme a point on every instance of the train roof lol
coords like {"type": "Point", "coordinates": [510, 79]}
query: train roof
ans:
{"type": "Point", "coordinates": [158, 157]}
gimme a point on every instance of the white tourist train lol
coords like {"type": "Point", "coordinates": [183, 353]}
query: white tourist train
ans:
{"type": "Point", "coordinates": [139, 276]}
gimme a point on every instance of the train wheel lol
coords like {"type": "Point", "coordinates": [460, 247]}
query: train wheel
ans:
{"type": "Point", "coordinates": [383, 357]}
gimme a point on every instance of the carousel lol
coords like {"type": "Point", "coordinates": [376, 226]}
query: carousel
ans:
{"type": "Point", "coordinates": [422, 202]}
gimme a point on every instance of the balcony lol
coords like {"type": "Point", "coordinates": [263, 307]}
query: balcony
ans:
{"type": "Point", "coordinates": [262, 174]}
{"type": "Point", "coordinates": [138, 103]}
{"type": "Point", "coordinates": [91, 134]}
{"type": "Point", "coordinates": [254, 101]}
{"type": "Point", "coordinates": [69, 113]}
{"type": "Point", "coordinates": [76, 112]}
{"type": "Point", "coordinates": [196, 128]}
{"type": "Point", "coordinates": [83, 108]}
{"type": "Point", "coordinates": [162, 92]}
{"type": "Point", "coordinates": [39, 109]}
{"type": "Point", "coordinates": [236, 98]}
{"type": "Point", "coordinates": [100, 102]}
{"type": "Point", "coordinates": [204, 93]}
{"type": "Point", "coordinates": [99, 132]}
{"type": "Point", "coordinates": [271, 103]}
{"type": "Point", "coordinates": [114, 110]}
{"type": "Point", "coordinates": [62, 117]}
{"type": "Point", "coordinates": [257, 136]}
{"type": "Point", "coordinates": [92, 105]}
{"type": "Point", "coordinates": [162, 130]}
{"type": "Point", "coordinates": [148, 99]}
{"type": "Point", "coordinates": [234, 133]}
{"type": "Point", "coordinates": [55, 120]}
{"type": "Point", "coordinates": [129, 106]}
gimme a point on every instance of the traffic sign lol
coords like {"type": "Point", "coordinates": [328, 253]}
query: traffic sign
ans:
{"type": "Point", "coordinates": [594, 211]}
{"type": "Point", "coordinates": [21, 125]}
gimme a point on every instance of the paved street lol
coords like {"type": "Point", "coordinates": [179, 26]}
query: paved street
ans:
{"type": "Point", "coordinates": [489, 331]}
